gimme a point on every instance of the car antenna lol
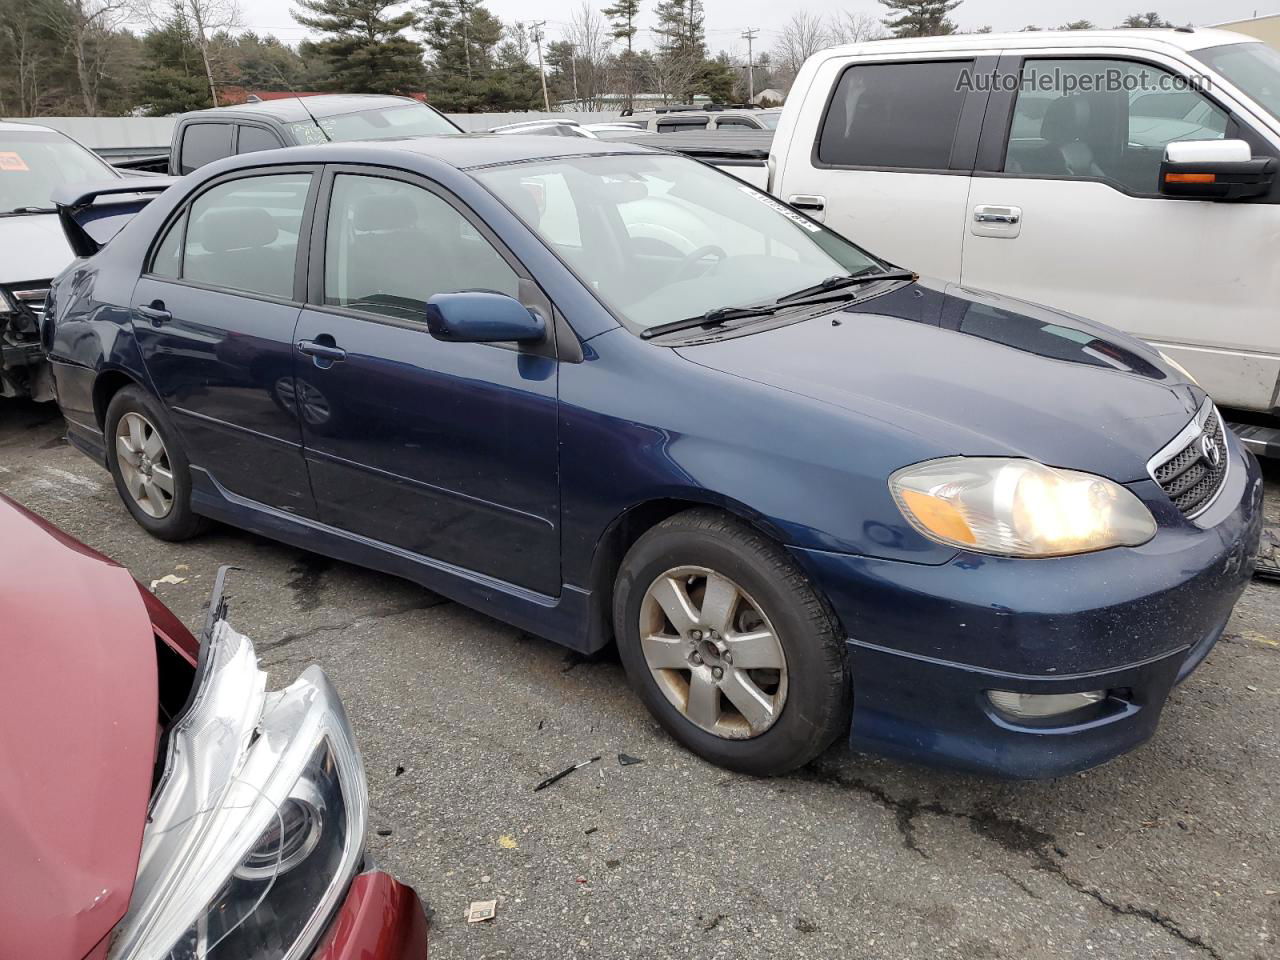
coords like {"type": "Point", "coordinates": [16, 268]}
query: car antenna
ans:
{"type": "Point", "coordinates": [302, 103]}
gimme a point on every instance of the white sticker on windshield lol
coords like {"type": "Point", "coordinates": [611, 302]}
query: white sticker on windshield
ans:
{"type": "Point", "coordinates": [783, 209]}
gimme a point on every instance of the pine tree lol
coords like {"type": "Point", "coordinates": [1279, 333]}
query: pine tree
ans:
{"type": "Point", "coordinates": [920, 18]}
{"type": "Point", "coordinates": [622, 20]}
{"type": "Point", "coordinates": [173, 79]}
{"type": "Point", "coordinates": [363, 45]}
{"type": "Point", "coordinates": [462, 37]}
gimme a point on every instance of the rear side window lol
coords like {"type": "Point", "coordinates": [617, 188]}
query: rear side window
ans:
{"type": "Point", "coordinates": [243, 235]}
{"type": "Point", "coordinates": [253, 139]}
{"type": "Point", "coordinates": [736, 122]}
{"type": "Point", "coordinates": [894, 115]}
{"type": "Point", "coordinates": [204, 143]}
{"type": "Point", "coordinates": [682, 123]}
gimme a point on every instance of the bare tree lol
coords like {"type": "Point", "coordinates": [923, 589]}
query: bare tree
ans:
{"type": "Point", "coordinates": [85, 26]}
{"type": "Point", "coordinates": [588, 33]}
{"type": "Point", "coordinates": [802, 36]}
{"type": "Point", "coordinates": [20, 48]}
{"type": "Point", "coordinates": [207, 18]}
{"type": "Point", "coordinates": [850, 27]}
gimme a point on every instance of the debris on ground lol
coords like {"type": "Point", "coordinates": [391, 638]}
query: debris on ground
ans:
{"type": "Point", "coordinates": [626, 760]}
{"type": "Point", "coordinates": [482, 910]}
{"type": "Point", "coordinates": [1268, 567]}
{"type": "Point", "coordinates": [384, 831]}
{"type": "Point", "coordinates": [167, 578]}
{"type": "Point", "coordinates": [508, 842]}
{"type": "Point", "coordinates": [590, 830]}
{"type": "Point", "coordinates": [563, 773]}
{"type": "Point", "coordinates": [399, 769]}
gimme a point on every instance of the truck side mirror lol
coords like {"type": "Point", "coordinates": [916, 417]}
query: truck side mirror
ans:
{"type": "Point", "coordinates": [1214, 170]}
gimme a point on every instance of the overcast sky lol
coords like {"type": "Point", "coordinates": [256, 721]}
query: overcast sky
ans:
{"type": "Point", "coordinates": [726, 19]}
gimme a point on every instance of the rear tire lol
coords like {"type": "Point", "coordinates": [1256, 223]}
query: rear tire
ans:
{"type": "Point", "coordinates": [735, 593]}
{"type": "Point", "coordinates": [149, 467]}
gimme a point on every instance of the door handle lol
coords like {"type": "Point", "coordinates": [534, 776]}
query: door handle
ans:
{"type": "Point", "coordinates": [155, 312]}
{"type": "Point", "coordinates": [1006, 215]}
{"type": "Point", "coordinates": [805, 201]}
{"type": "Point", "coordinates": [323, 353]}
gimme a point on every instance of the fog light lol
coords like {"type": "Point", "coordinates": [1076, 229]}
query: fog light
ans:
{"type": "Point", "coordinates": [1037, 706]}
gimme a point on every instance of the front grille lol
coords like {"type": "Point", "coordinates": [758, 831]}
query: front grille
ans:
{"type": "Point", "coordinates": [1193, 467]}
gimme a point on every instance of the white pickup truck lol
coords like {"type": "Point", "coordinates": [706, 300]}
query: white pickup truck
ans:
{"type": "Point", "coordinates": [1128, 176]}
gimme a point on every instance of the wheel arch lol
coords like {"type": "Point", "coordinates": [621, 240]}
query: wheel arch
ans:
{"type": "Point", "coordinates": [636, 520]}
{"type": "Point", "coordinates": [106, 385]}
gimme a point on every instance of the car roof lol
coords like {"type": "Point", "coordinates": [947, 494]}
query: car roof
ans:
{"type": "Point", "coordinates": [1181, 38]}
{"type": "Point", "coordinates": [12, 126]}
{"type": "Point", "coordinates": [291, 109]}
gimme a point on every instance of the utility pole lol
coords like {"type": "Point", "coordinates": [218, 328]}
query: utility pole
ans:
{"type": "Point", "coordinates": [749, 36]}
{"type": "Point", "coordinates": [537, 41]}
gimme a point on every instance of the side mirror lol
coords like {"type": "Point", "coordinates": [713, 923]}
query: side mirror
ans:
{"type": "Point", "coordinates": [478, 316]}
{"type": "Point", "coordinates": [1214, 170]}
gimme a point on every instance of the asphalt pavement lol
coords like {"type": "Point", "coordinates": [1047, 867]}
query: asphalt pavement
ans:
{"type": "Point", "coordinates": [1172, 851]}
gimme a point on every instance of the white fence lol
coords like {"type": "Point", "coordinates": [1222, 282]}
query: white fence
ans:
{"type": "Point", "coordinates": [117, 137]}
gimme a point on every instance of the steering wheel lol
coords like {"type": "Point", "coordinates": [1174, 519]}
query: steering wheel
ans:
{"type": "Point", "coordinates": [689, 265]}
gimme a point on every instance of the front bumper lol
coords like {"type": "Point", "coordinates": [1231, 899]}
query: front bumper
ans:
{"type": "Point", "coordinates": [381, 919]}
{"type": "Point", "coordinates": [929, 641]}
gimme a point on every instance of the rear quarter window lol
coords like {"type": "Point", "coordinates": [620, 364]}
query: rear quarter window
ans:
{"type": "Point", "coordinates": [894, 115]}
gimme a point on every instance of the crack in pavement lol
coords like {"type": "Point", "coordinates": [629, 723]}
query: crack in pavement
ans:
{"type": "Point", "coordinates": [1014, 835]}
{"type": "Point", "coordinates": [290, 638]}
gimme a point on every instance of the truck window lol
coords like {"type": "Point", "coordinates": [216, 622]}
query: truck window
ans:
{"type": "Point", "coordinates": [894, 115]}
{"type": "Point", "coordinates": [204, 143]}
{"type": "Point", "coordinates": [1104, 120]}
{"type": "Point", "coordinates": [676, 124]}
{"type": "Point", "coordinates": [253, 139]}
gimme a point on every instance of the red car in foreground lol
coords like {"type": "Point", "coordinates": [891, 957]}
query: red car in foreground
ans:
{"type": "Point", "coordinates": [156, 801]}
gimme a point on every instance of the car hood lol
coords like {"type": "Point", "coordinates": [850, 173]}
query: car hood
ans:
{"type": "Point", "coordinates": [974, 373]}
{"type": "Point", "coordinates": [78, 726]}
{"type": "Point", "coordinates": [34, 248]}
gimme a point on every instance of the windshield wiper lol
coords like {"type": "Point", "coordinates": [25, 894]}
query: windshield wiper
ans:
{"type": "Point", "coordinates": [839, 283]}
{"type": "Point", "coordinates": [712, 318]}
{"type": "Point", "coordinates": [24, 211]}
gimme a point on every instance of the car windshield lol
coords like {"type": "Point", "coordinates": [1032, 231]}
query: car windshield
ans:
{"type": "Point", "coordinates": [1253, 67]}
{"type": "Point", "coordinates": [661, 238]}
{"type": "Point", "coordinates": [33, 163]}
{"type": "Point", "coordinates": [379, 123]}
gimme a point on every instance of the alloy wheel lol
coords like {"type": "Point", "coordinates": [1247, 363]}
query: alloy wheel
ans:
{"type": "Point", "coordinates": [144, 465]}
{"type": "Point", "coordinates": [713, 652]}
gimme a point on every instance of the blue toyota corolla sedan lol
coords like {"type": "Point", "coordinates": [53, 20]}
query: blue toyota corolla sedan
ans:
{"type": "Point", "coordinates": [603, 392]}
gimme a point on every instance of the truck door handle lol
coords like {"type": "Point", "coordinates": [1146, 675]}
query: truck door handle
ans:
{"type": "Point", "coordinates": [155, 312]}
{"type": "Point", "coordinates": [805, 201]}
{"type": "Point", "coordinates": [324, 354]}
{"type": "Point", "coordinates": [1008, 215]}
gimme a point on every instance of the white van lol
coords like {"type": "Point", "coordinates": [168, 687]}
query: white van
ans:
{"type": "Point", "coordinates": [1129, 176]}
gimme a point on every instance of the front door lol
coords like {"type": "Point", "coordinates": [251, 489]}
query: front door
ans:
{"type": "Point", "coordinates": [1091, 234]}
{"type": "Point", "coordinates": [214, 317]}
{"type": "Point", "coordinates": [447, 450]}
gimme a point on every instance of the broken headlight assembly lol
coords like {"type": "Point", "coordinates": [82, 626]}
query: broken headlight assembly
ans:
{"type": "Point", "coordinates": [1018, 508]}
{"type": "Point", "coordinates": [258, 823]}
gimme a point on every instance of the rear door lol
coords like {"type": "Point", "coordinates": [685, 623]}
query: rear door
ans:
{"type": "Point", "coordinates": [886, 159]}
{"type": "Point", "coordinates": [1065, 210]}
{"type": "Point", "coordinates": [214, 316]}
{"type": "Point", "coordinates": [446, 450]}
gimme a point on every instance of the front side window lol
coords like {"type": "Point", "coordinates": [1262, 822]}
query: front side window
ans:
{"type": "Point", "coordinates": [894, 115]}
{"type": "Point", "coordinates": [204, 143]}
{"type": "Point", "coordinates": [1104, 120]}
{"type": "Point", "coordinates": [390, 246]}
{"type": "Point", "coordinates": [243, 235]}
{"type": "Point", "coordinates": [661, 238]}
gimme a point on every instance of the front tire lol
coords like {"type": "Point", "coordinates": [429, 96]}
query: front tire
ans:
{"type": "Point", "coordinates": [727, 644]}
{"type": "Point", "coordinates": [149, 467]}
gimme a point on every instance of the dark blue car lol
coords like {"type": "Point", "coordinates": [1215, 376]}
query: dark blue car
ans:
{"type": "Point", "coordinates": [603, 392]}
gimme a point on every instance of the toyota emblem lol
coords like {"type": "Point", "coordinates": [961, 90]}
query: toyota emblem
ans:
{"type": "Point", "coordinates": [1210, 450]}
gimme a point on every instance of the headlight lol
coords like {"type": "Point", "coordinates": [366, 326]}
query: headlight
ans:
{"type": "Point", "coordinates": [1018, 508]}
{"type": "Point", "coordinates": [258, 824]}
{"type": "Point", "coordinates": [1177, 366]}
